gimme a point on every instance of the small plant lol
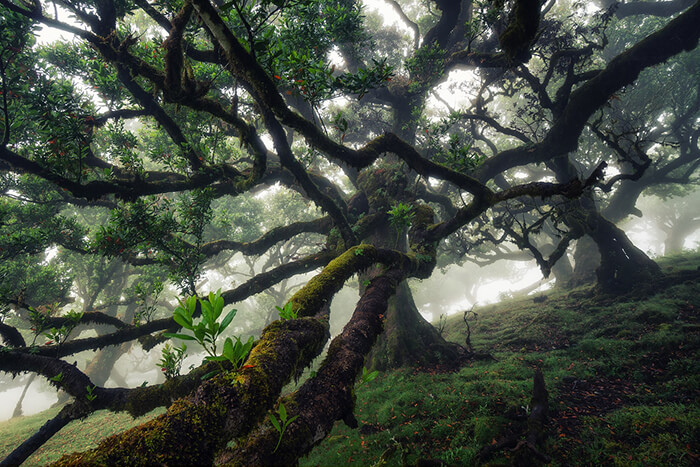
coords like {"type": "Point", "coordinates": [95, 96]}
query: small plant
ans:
{"type": "Point", "coordinates": [147, 307]}
{"type": "Point", "coordinates": [39, 318]}
{"type": "Point", "coordinates": [208, 329]}
{"type": "Point", "coordinates": [58, 378]}
{"type": "Point", "coordinates": [60, 335]}
{"type": "Point", "coordinates": [282, 424]}
{"type": "Point", "coordinates": [235, 353]}
{"type": "Point", "coordinates": [424, 258]}
{"type": "Point", "coordinates": [400, 218]}
{"type": "Point", "coordinates": [90, 396]}
{"type": "Point", "coordinates": [367, 376]}
{"type": "Point", "coordinates": [171, 360]}
{"type": "Point", "coordinates": [287, 312]}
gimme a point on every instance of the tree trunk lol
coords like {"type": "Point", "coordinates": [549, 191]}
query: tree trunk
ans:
{"type": "Point", "coordinates": [586, 260]}
{"type": "Point", "coordinates": [18, 408]}
{"type": "Point", "coordinates": [678, 230]}
{"type": "Point", "coordinates": [622, 264]}
{"type": "Point", "coordinates": [409, 340]}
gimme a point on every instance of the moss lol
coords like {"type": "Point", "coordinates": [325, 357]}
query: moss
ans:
{"type": "Point", "coordinates": [521, 29]}
{"type": "Point", "coordinates": [182, 436]}
{"type": "Point", "coordinates": [309, 300]}
{"type": "Point", "coordinates": [423, 216]}
{"type": "Point", "coordinates": [383, 186]}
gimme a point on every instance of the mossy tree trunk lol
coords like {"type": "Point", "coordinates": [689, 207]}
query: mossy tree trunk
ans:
{"type": "Point", "coordinates": [408, 339]}
{"type": "Point", "coordinates": [586, 260]}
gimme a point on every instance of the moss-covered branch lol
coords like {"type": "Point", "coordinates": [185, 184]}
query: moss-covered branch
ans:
{"type": "Point", "coordinates": [222, 408]}
{"type": "Point", "coordinates": [327, 397]}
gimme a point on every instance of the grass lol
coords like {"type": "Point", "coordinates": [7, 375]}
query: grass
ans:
{"type": "Point", "coordinates": [623, 376]}
{"type": "Point", "coordinates": [78, 435]}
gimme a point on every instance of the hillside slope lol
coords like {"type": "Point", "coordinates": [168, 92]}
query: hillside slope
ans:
{"type": "Point", "coordinates": [623, 376]}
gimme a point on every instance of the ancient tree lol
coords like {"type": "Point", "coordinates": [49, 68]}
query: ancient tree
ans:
{"type": "Point", "coordinates": [140, 159]}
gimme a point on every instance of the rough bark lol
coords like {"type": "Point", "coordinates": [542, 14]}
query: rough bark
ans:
{"type": "Point", "coordinates": [622, 264]}
{"type": "Point", "coordinates": [586, 260]}
{"type": "Point", "coordinates": [327, 397]}
{"type": "Point", "coordinates": [409, 340]}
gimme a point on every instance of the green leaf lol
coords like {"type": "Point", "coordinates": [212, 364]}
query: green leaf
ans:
{"type": "Point", "coordinates": [209, 375]}
{"type": "Point", "coordinates": [184, 337]}
{"type": "Point", "coordinates": [283, 413]}
{"type": "Point", "coordinates": [207, 312]}
{"type": "Point", "coordinates": [182, 320]}
{"type": "Point", "coordinates": [219, 358]}
{"type": "Point", "coordinates": [292, 419]}
{"type": "Point", "coordinates": [227, 320]}
{"type": "Point", "coordinates": [228, 349]}
{"type": "Point", "coordinates": [218, 305]}
{"type": "Point", "coordinates": [199, 333]}
{"type": "Point", "coordinates": [275, 423]}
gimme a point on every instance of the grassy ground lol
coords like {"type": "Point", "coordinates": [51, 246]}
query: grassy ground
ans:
{"type": "Point", "coordinates": [623, 376]}
{"type": "Point", "coordinates": [79, 435]}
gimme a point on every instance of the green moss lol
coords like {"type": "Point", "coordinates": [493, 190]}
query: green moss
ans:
{"type": "Point", "coordinates": [423, 216]}
{"type": "Point", "coordinates": [309, 300]}
{"type": "Point", "coordinates": [383, 186]}
{"type": "Point", "coordinates": [182, 436]}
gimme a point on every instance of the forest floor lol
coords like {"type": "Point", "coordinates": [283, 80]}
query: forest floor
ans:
{"type": "Point", "coordinates": [622, 373]}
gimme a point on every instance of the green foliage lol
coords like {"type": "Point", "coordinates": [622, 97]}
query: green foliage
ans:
{"type": "Point", "coordinates": [169, 231]}
{"type": "Point", "coordinates": [237, 352]}
{"type": "Point", "coordinates": [401, 216]}
{"type": "Point", "coordinates": [425, 66]}
{"type": "Point", "coordinates": [449, 145]}
{"type": "Point", "coordinates": [171, 360]}
{"type": "Point", "coordinates": [147, 297]}
{"type": "Point", "coordinates": [208, 329]}
{"type": "Point", "coordinates": [57, 378]}
{"type": "Point", "coordinates": [367, 377]}
{"type": "Point", "coordinates": [282, 424]}
{"type": "Point", "coordinates": [89, 395]}
{"type": "Point", "coordinates": [60, 335]}
{"type": "Point", "coordinates": [287, 312]}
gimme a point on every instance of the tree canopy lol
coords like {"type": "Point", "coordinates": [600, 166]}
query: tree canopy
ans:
{"type": "Point", "coordinates": [281, 148]}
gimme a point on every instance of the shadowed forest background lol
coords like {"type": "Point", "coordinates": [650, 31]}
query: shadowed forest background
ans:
{"type": "Point", "coordinates": [272, 227]}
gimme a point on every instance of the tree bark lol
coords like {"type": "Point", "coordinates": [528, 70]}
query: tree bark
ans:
{"type": "Point", "coordinates": [586, 260]}
{"type": "Point", "coordinates": [409, 340]}
{"type": "Point", "coordinates": [622, 264]}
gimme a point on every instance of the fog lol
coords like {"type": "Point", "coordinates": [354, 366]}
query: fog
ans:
{"type": "Point", "coordinates": [449, 291]}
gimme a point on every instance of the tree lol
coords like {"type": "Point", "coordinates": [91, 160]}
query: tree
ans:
{"type": "Point", "coordinates": [162, 114]}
